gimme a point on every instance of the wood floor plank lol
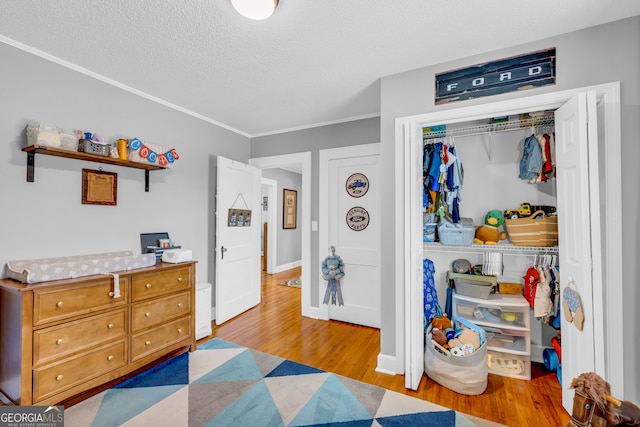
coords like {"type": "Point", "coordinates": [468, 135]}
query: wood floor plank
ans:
{"type": "Point", "coordinates": [277, 327]}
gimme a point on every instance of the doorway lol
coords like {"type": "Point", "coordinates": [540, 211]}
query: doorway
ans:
{"type": "Point", "coordinates": [269, 217]}
{"type": "Point", "coordinates": [301, 162]}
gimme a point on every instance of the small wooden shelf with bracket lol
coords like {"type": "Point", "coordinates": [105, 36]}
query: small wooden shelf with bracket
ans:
{"type": "Point", "coordinates": [32, 150]}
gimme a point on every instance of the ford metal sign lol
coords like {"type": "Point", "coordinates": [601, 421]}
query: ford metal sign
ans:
{"type": "Point", "coordinates": [528, 71]}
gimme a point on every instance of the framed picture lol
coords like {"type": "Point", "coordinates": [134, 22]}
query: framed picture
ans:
{"type": "Point", "coordinates": [289, 209]}
{"type": "Point", "coordinates": [99, 187]}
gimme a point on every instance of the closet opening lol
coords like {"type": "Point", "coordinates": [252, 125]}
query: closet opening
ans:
{"type": "Point", "coordinates": [492, 163]}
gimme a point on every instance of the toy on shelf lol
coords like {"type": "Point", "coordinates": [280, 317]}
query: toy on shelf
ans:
{"type": "Point", "coordinates": [489, 233]}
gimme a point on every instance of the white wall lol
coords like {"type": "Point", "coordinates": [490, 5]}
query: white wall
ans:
{"type": "Point", "coordinates": [46, 218]}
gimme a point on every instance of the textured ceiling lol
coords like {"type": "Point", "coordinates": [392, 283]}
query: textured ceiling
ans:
{"type": "Point", "coordinates": [313, 62]}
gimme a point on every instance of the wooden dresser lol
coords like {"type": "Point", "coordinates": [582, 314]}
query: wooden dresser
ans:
{"type": "Point", "coordinates": [63, 337]}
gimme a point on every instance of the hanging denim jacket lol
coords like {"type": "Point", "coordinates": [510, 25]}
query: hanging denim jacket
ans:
{"type": "Point", "coordinates": [531, 161]}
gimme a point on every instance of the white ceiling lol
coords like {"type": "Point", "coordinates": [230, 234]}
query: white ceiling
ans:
{"type": "Point", "coordinates": [313, 62]}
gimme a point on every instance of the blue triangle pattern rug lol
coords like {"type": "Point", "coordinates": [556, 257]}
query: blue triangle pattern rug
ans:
{"type": "Point", "coordinates": [224, 384]}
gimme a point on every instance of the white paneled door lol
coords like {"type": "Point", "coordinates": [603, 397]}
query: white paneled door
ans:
{"type": "Point", "coordinates": [350, 222]}
{"type": "Point", "coordinates": [579, 239]}
{"type": "Point", "coordinates": [237, 286]}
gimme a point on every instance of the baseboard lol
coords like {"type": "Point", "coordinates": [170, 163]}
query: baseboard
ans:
{"type": "Point", "coordinates": [289, 266]}
{"type": "Point", "coordinates": [388, 365]}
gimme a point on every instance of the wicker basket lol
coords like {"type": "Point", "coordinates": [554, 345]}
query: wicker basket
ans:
{"type": "Point", "coordinates": [533, 231]}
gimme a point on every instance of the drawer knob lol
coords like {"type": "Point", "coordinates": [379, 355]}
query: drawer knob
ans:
{"type": "Point", "coordinates": [59, 341]}
{"type": "Point", "coordinates": [59, 304]}
{"type": "Point", "coordinates": [109, 358]}
{"type": "Point", "coordinates": [179, 305]}
{"type": "Point", "coordinates": [179, 330]}
{"type": "Point", "coordinates": [147, 343]}
{"type": "Point", "coordinates": [180, 279]}
{"type": "Point", "coordinates": [148, 286]}
{"type": "Point", "coordinates": [110, 326]}
{"type": "Point", "coordinates": [147, 315]}
{"type": "Point", "coordinates": [111, 294]}
{"type": "Point", "coordinates": [59, 378]}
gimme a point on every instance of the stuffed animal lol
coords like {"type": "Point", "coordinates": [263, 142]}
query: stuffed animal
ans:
{"type": "Point", "coordinates": [467, 342]}
{"type": "Point", "coordinates": [489, 233]}
{"type": "Point", "coordinates": [440, 337]}
{"type": "Point", "coordinates": [443, 322]}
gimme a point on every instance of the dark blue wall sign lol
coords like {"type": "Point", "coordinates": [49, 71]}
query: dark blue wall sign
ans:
{"type": "Point", "coordinates": [492, 78]}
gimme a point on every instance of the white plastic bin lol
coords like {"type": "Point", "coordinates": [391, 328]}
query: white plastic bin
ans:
{"type": "Point", "coordinates": [203, 310]}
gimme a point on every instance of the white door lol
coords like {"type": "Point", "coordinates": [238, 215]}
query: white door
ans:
{"type": "Point", "coordinates": [579, 236]}
{"type": "Point", "coordinates": [350, 222]}
{"type": "Point", "coordinates": [237, 286]}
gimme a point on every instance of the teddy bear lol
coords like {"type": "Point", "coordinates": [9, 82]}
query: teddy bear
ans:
{"type": "Point", "coordinates": [489, 233]}
{"type": "Point", "coordinates": [443, 322]}
{"type": "Point", "coordinates": [465, 343]}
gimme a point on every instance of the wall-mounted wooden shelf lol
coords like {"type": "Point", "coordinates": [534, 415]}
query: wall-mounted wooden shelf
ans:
{"type": "Point", "coordinates": [32, 150]}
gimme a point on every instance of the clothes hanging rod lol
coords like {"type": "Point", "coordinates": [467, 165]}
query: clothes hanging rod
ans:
{"type": "Point", "coordinates": [512, 125]}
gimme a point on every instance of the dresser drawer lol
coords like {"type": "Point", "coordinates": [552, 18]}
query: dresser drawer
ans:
{"type": "Point", "coordinates": [157, 311]}
{"type": "Point", "coordinates": [149, 285]}
{"type": "Point", "coordinates": [54, 379]}
{"type": "Point", "coordinates": [59, 341]}
{"type": "Point", "coordinates": [147, 343]}
{"type": "Point", "coordinates": [50, 305]}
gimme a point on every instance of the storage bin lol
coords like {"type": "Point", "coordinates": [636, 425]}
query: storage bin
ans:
{"type": "Point", "coordinates": [93, 147]}
{"type": "Point", "coordinates": [472, 285]}
{"type": "Point", "coordinates": [44, 135]}
{"type": "Point", "coordinates": [509, 365]}
{"type": "Point", "coordinates": [506, 340]}
{"type": "Point", "coordinates": [134, 155]}
{"type": "Point", "coordinates": [533, 231]}
{"type": "Point", "coordinates": [456, 234]}
{"type": "Point", "coordinates": [68, 141]}
{"type": "Point", "coordinates": [429, 232]}
{"type": "Point", "coordinates": [498, 311]}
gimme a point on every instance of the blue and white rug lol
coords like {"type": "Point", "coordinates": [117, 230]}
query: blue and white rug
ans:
{"type": "Point", "coordinates": [224, 384]}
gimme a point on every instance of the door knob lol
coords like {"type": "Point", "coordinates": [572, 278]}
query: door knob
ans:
{"type": "Point", "coordinates": [222, 251]}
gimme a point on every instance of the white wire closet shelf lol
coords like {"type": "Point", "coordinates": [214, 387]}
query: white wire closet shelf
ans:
{"type": "Point", "coordinates": [529, 124]}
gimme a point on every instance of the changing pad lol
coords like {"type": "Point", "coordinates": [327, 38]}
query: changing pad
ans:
{"type": "Point", "coordinates": [46, 269]}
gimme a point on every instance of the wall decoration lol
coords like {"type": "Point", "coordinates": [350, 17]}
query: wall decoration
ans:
{"type": "Point", "coordinates": [517, 73]}
{"type": "Point", "coordinates": [357, 185]}
{"type": "Point", "coordinates": [289, 209]}
{"type": "Point", "coordinates": [239, 218]}
{"type": "Point", "coordinates": [99, 187]}
{"type": "Point", "coordinates": [357, 218]}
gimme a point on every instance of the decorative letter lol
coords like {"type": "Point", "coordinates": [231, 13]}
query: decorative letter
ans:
{"type": "Point", "coordinates": [505, 76]}
{"type": "Point", "coordinates": [478, 82]}
{"type": "Point", "coordinates": [535, 70]}
{"type": "Point", "coordinates": [451, 86]}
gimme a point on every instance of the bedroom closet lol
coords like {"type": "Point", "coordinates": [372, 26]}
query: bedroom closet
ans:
{"type": "Point", "coordinates": [585, 121]}
{"type": "Point", "coordinates": [489, 152]}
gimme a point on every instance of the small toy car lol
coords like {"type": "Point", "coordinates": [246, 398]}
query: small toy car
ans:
{"type": "Point", "coordinates": [527, 209]}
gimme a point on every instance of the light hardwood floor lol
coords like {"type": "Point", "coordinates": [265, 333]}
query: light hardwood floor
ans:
{"type": "Point", "coordinates": [276, 327]}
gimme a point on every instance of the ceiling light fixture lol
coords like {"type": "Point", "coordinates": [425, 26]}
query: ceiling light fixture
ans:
{"type": "Point", "coordinates": [255, 9]}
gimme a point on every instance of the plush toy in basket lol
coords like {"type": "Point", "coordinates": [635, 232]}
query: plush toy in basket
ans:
{"type": "Point", "coordinates": [538, 229]}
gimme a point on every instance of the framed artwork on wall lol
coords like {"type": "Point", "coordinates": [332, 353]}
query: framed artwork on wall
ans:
{"type": "Point", "coordinates": [99, 187]}
{"type": "Point", "coordinates": [289, 209]}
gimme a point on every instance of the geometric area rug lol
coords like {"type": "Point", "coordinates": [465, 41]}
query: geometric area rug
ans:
{"type": "Point", "coordinates": [225, 384]}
